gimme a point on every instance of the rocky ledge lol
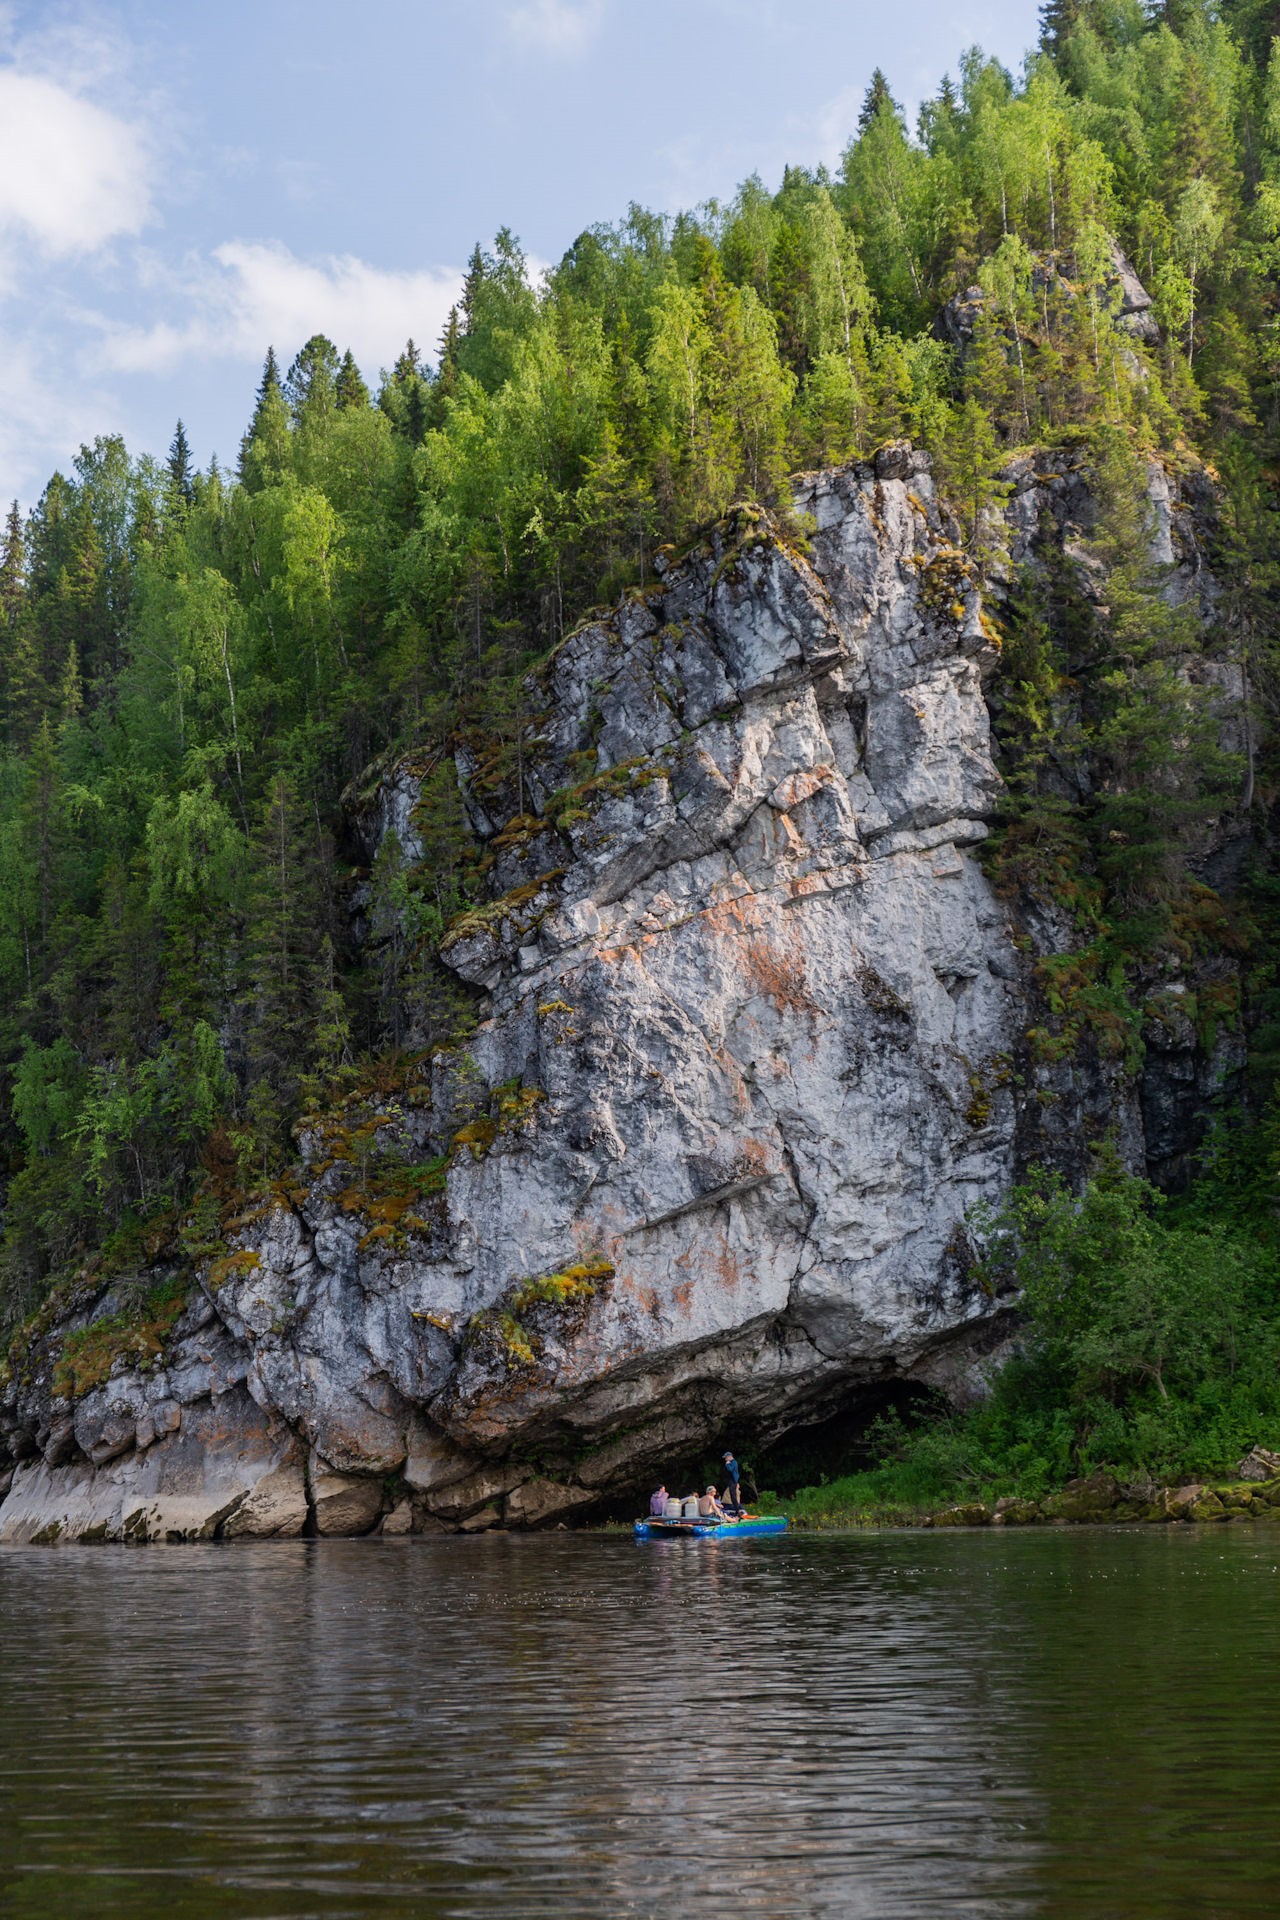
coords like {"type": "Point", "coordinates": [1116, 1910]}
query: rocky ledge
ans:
{"type": "Point", "coordinates": [749, 1022]}
{"type": "Point", "coordinates": [1100, 1499]}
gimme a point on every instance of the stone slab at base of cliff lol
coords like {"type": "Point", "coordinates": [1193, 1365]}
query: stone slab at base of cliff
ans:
{"type": "Point", "coordinates": [232, 1469]}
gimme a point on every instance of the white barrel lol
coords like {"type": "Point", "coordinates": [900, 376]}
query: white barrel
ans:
{"type": "Point", "coordinates": [691, 1507]}
{"type": "Point", "coordinates": [673, 1509]}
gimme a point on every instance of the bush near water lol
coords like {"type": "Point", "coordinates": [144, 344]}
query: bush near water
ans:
{"type": "Point", "coordinates": [200, 668]}
{"type": "Point", "coordinates": [1149, 1359]}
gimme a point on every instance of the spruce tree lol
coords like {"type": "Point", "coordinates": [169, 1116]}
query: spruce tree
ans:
{"type": "Point", "coordinates": [471, 289]}
{"type": "Point", "coordinates": [406, 395]}
{"type": "Point", "coordinates": [13, 566]}
{"type": "Point", "coordinates": [351, 389]}
{"type": "Point", "coordinates": [878, 99]}
{"type": "Point", "coordinates": [180, 467]}
{"type": "Point", "coordinates": [311, 384]}
{"type": "Point", "coordinates": [445, 384]}
{"type": "Point", "coordinates": [447, 369]}
{"type": "Point", "coordinates": [264, 442]}
{"type": "Point", "coordinates": [15, 659]}
{"type": "Point", "coordinates": [270, 381]}
{"type": "Point", "coordinates": [1057, 19]}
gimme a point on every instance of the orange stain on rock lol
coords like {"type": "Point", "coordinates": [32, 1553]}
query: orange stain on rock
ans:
{"type": "Point", "coordinates": [779, 975]}
{"type": "Point", "coordinates": [724, 1266]}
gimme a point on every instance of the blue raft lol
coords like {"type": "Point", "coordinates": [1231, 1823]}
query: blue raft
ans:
{"type": "Point", "coordinates": [750, 1525]}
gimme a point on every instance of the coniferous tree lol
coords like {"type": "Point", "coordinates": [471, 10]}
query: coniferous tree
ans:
{"type": "Point", "coordinates": [379, 576]}
{"type": "Point", "coordinates": [285, 927]}
{"type": "Point", "coordinates": [351, 389]}
{"type": "Point", "coordinates": [270, 381]}
{"type": "Point", "coordinates": [1057, 21]}
{"type": "Point", "coordinates": [180, 467]}
{"type": "Point", "coordinates": [263, 447]}
{"type": "Point", "coordinates": [446, 380]}
{"type": "Point", "coordinates": [13, 566]}
{"type": "Point", "coordinates": [311, 384]}
{"type": "Point", "coordinates": [407, 397]}
{"type": "Point", "coordinates": [877, 100]}
{"type": "Point", "coordinates": [406, 367]}
{"type": "Point", "coordinates": [470, 302]}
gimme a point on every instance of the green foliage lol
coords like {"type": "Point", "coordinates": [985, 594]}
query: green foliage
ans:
{"type": "Point", "coordinates": [1150, 1347]}
{"type": "Point", "coordinates": [195, 668]}
{"type": "Point", "coordinates": [136, 1334]}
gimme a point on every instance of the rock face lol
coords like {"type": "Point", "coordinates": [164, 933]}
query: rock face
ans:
{"type": "Point", "coordinates": [750, 1009]}
{"type": "Point", "coordinates": [227, 1468]}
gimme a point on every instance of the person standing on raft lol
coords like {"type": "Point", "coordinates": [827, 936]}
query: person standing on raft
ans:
{"type": "Point", "coordinates": [732, 1498]}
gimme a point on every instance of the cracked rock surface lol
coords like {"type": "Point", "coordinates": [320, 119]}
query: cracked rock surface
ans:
{"type": "Point", "coordinates": [752, 1002]}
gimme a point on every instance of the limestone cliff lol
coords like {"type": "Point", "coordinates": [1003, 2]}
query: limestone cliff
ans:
{"type": "Point", "coordinates": [751, 1042]}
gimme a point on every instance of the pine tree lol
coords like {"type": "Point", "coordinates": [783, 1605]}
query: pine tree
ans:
{"type": "Point", "coordinates": [25, 693]}
{"type": "Point", "coordinates": [789, 285]}
{"type": "Point", "coordinates": [180, 467]}
{"type": "Point", "coordinates": [351, 389]}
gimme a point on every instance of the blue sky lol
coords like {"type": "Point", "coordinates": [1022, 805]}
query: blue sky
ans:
{"type": "Point", "coordinates": [182, 185]}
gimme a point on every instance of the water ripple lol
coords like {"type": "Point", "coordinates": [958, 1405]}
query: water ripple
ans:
{"type": "Point", "coordinates": [874, 1726]}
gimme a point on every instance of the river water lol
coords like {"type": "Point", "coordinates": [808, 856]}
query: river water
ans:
{"type": "Point", "coordinates": [1065, 1723]}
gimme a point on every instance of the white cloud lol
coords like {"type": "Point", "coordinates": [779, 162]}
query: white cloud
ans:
{"type": "Point", "coordinates": [42, 417]}
{"type": "Point", "coordinates": [72, 175]}
{"type": "Point", "coordinates": [556, 26]}
{"type": "Point", "coordinates": [252, 295]}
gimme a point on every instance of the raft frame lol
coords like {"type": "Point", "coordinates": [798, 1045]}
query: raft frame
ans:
{"type": "Point", "coordinates": [752, 1525]}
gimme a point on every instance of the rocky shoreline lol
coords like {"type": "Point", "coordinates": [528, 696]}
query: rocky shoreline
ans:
{"type": "Point", "coordinates": [1097, 1499]}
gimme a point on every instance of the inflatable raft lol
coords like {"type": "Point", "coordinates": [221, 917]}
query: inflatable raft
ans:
{"type": "Point", "coordinates": [711, 1529]}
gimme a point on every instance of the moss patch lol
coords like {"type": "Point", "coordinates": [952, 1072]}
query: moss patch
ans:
{"type": "Point", "coordinates": [503, 1332]}
{"type": "Point", "coordinates": [89, 1354]}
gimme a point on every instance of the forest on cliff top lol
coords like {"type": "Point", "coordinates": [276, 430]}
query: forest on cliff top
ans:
{"type": "Point", "coordinates": [198, 670]}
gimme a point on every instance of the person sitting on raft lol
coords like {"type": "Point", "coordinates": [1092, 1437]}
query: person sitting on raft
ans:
{"type": "Point", "coordinates": [658, 1504]}
{"type": "Point", "coordinates": [709, 1505]}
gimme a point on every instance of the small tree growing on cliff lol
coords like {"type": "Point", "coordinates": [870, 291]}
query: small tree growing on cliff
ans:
{"type": "Point", "coordinates": [967, 460]}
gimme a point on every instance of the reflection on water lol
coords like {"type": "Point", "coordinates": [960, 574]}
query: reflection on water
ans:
{"type": "Point", "coordinates": [1054, 1723]}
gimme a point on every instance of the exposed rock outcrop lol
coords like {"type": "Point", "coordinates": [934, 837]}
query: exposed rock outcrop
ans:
{"type": "Point", "coordinates": [746, 1057]}
{"type": "Point", "coordinates": [1052, 291]}
{"type": "Point", "coordinates": [227, 1468]}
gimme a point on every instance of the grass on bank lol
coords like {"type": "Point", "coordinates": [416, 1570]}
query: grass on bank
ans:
{"type": "Point", "coordinates": [1151, 1348]}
